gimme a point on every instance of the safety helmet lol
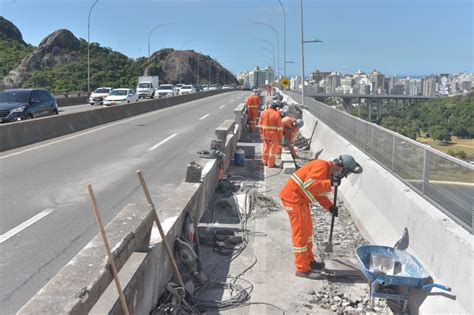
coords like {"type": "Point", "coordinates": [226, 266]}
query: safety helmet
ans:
{"type": "Point", "coordinates": [275, 105]}
{"type": "Point", "coordinates": [349, 164]}
{"type": "Point", "coordinates": [299, 123]}
{"type": "Point", "coordinates": [283, 112]}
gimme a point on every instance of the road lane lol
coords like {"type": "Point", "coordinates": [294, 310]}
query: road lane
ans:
{"type": "Point", "coordinates": [55, 177]}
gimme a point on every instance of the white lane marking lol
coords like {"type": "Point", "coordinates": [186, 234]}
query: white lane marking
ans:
{"type": "Point", "coordinates": [222, 106]}
{"type": "Point", "coordinates": [5, 236]}
{"type": "Point", "coordinates": [231, 101]}
{"type": "Point", "coordinates": [205, 116]}
{"type": "Point", "coordinates": [162, 142]}
{"type": "Point", "coordinates": [100, 128]}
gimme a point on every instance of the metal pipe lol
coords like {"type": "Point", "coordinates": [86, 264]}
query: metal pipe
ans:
{"type": "Point", "coordinates": [302, 55]}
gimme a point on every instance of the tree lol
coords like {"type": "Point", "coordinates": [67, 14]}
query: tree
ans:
{"type": "Point", "coordinates": [440, 132]}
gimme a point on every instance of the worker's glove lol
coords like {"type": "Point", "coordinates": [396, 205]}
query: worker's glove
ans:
{"type": "Point", "coordinates": [335, 180]}
{"type": "Point", "coordinates": [334, 210]}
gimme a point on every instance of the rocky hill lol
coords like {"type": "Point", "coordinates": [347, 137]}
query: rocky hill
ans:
{"type": "Point", "coordinates": [12, 47]}
{"type": "Point", "coordinates": [59, 63]}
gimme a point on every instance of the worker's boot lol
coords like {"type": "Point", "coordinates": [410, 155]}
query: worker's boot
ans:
{"type": "Point", "coordinates": [312, 274]}
{"type": "Point", "coordinates": [317, 265]}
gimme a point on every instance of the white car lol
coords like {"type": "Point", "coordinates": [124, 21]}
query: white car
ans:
{"type": "Point", "coordinates": [97, 97]}
{"type": "Point", "coordinates": [121, 96]}
{"type": "Point", "coordinates": [187, 89]}
{"type": "Point", "coordinates": [205, 88]}
{"type": "Point", "coordinates": [166, 90]}
{"type": "Point", "coordinates": [226, 87]}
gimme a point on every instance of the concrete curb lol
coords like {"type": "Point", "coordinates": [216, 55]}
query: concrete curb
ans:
{"type": "Point", "coordinates": [14, 135]}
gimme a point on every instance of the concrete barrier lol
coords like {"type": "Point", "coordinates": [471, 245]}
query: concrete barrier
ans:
{"type": "Point", "coordinates": [85, 284]}
{"type": "Point", "coordinates": [14, 135]}
{"type": "Point", "coordinates": [382, 206]}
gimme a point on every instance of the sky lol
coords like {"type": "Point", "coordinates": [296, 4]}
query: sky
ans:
{"type": "Point", "coordinates": [403, 37]}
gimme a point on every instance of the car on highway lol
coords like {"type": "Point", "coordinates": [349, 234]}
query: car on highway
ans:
{"type": "Point", "coordinates": [166, 90]}
{"type": "Point", "coordinates": [226, 87]}
{"type": "Point", "coordinates": [187, 89]}
{"type": "Point", "coordinates": [205, 87]}
{"type": "Point", "coordinates": [23, 104]}
{"type": "Point", "coordinates": [178, 87]}
{"type": "Point", "coordinates": [121, 96]}
{"type": "Point", "coordinates": [97, 97]}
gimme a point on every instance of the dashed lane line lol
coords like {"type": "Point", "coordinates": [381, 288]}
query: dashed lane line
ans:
{"type": "Point", "coordinates": [222, 106]}
{"type": "Point", "coordinates": [7, 235]}
{"type": "Point", "coordinates": [205, 116]}
{"type": "Point", "coordinates": [162, 142]}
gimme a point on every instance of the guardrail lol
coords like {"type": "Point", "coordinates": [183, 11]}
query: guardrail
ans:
{"type": "Point", "coordinates": [446, 182]}
{"type": "Point", "coordinates": [14, 135]}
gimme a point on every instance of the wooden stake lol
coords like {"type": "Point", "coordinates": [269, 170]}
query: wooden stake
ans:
{"type": "Point", "coordinates": [107, 250]}
{"type": "Point", "coordinates": [160, 228]}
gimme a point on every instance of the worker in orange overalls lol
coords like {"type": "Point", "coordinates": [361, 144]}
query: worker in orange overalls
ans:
{"type": "Point", "coordinates": [303, 188]}
{"type": "Point", "coordinates": [290, 131]}
{"type": "Point", "coordinates": [271, 132]}
{"type": "Point", "coordinates": [252, 102]}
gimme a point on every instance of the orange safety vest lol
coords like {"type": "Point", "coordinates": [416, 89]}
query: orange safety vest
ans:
{"type": "Point", "coordinates": [270, 125]}
{"type": "Point", "coordinates": [308, 183]}
{"type": "Point", "coordinates": [289, 131]}
{"type": "Point", "coordinates": [252, 102]}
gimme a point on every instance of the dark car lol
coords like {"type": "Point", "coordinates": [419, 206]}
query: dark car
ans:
{"type": "Point", "coordinates": [21, 104]}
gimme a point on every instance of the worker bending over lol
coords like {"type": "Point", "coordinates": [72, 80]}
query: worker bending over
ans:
{"type": "Point", "coordinates": [271, 133]}
{"type": "Point", "coordinates": [290, 131]}
{"type": "Point", "coordinates": [252, 102]}
{"type": "Point", "coordinates": [304, 187]}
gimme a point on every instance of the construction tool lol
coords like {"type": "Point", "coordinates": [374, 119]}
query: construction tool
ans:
{"type": "Point", "coordinates": [160, 228]}
{"type": "Point", "coordinates": [308, 146]}
{"type": "Point", "coordinates": [328, 248]}
{"type": "Point", "coordinates": [349, 166]}
{"type": "Point", "coordinates": [107, 250]}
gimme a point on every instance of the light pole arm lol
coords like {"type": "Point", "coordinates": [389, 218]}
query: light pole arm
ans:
{"type": "Point", "coordinates": [278, 40]}
{"type": "Point", "coordinates": [151, 31]}
{"type": "Point", "coordinates": [88, 43]}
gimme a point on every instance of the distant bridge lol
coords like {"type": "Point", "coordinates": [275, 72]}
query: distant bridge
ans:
{"type": "Point", "coordinates": [348, 99]}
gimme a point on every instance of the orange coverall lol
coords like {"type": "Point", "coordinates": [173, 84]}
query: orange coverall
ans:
{"type": "Point", "coordinates": [271, 132]}
{"type": "Point", "coordinates": [252, 102]}
{"type": "Point", "coordinates": [290, 132]}
{"type": "Point", "coordinates": [304, 187]}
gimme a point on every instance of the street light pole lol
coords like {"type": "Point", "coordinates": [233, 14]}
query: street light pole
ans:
{"type": "Point", "coordinates": [302, 53]}
{"type": "Point", "coordinates": [284, 38]}
{"type": "Point", "coordinates": [278, 41]}
{"type": "Point", "coordinates": [151, 31]}
{"type": "Point", "coordinates": [273, 50]}
{"type": "Point", "coordinates": [266, 49]}
{"type": "Point", "coordinates": [88, 43]}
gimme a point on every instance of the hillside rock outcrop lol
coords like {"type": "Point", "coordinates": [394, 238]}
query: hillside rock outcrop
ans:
{"type": "Point", "coordinates": [57, 48]}
{"type": "Point", "coordinates": [187, 66]}
{"type": "Point", "coordinates": [9, 31]}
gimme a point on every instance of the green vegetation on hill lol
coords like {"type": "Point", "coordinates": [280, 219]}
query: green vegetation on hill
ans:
{"type": "Point", "coordinates": [108, 68]}
{"type": "Point", "coordinates": [12, 47]}
{"type": "Point", "coordinates": [439, 118]}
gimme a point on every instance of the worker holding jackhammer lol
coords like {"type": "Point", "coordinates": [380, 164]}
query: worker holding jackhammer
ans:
{"type": "Point", "coordinates": [271, 133]}
{"type": "Point", "coordinates": [252, 102]}
{"type": "Point", "coordinates": [306, 186]}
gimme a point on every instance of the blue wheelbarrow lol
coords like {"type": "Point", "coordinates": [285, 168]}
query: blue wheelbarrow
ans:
{"type": "Point", "coordinates": [392, 273]}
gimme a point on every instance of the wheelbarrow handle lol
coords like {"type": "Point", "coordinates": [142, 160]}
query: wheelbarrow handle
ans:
{"type": "Point", "coordinates": [436, 285]}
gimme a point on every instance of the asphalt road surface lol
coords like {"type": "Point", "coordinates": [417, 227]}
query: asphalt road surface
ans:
{"type": "Point", "coordinates": [45, 212]}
